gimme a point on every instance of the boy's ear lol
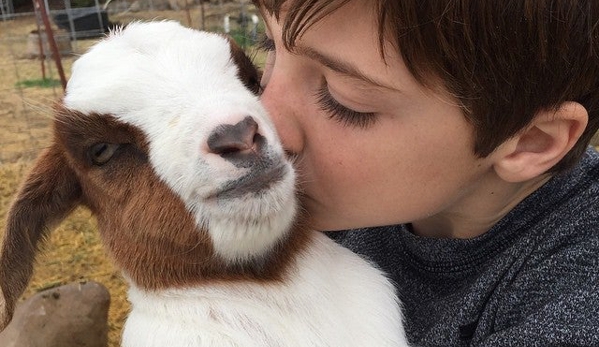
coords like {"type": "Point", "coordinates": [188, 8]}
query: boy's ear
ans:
{"type": "Point", "coordinates": [548, 138]}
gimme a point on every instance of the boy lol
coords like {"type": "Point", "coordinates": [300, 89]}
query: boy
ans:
{"type": "Point", "coordinates": [451, 136]}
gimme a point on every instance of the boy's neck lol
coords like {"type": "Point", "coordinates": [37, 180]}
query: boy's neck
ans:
{"type": "Point", "coordinates": [478, 211]}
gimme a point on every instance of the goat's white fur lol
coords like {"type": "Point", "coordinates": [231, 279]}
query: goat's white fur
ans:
{"type": "Point", "coordinates": [158, 76]}
{"type": "Point", "coordinates": [333, 298]}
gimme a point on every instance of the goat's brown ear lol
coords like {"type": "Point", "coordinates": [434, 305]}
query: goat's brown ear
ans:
{"type": "Point", "coordinates": [247, 72]}
{"type": "Point", "coordinates": [48, 195]}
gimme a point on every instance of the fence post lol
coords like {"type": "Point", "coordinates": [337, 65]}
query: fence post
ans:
{"type": "Point", "coordinates": [51, 42]}
{"type": "Point", "coordinates": [40, 43]}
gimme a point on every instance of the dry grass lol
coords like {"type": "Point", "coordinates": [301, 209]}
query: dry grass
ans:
{"type": "Point", "coordinates": [73, 251]}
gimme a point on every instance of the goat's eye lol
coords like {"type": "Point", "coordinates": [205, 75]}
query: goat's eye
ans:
{"type": "Point", "coordinates": [100, 153]}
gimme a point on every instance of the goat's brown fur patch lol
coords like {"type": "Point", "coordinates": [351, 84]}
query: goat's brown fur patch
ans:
{"type": "Point", "coordinates": [144, 225]}
{"type": "Point", "coordinates": [247, 72]}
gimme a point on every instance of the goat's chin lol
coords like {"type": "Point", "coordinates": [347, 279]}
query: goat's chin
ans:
{"type": "Point", "coordinates": [249, 225]}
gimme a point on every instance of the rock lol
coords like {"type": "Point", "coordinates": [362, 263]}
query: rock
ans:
{"type": "Point", "coordinates": [75, 314]}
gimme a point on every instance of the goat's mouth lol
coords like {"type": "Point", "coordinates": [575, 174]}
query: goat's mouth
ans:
{"type": "Point", "coordinates": [255, 182]}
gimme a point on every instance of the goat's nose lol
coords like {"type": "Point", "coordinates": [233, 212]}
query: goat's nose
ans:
{"type": "Point", "coordinates": [236, 141]}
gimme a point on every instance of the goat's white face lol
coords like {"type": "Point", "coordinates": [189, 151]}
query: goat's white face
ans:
{"type": "Point", "coordinates": [209, 139]}
{"type": "Point", "coordinates": [161, 137]}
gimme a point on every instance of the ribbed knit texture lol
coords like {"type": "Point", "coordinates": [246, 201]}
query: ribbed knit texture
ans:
{"type": "Point", "coordinates": [532, 280]}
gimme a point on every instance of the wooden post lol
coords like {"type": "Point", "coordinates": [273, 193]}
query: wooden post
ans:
{"type": "Point", "coordinates": [40, 44]}
{"type": "Point", "coordinates": [51, 42]}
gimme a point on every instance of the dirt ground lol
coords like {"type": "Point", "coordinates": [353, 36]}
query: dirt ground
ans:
{"type": "Point", "coordinates": [73, 251]}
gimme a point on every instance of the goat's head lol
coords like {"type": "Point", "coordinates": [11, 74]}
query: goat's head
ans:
{"type": "Point", "coordinates": [161, 138]}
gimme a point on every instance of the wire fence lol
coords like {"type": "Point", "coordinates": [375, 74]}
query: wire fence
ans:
{"type": "Point", "coordinates": [29, 78]}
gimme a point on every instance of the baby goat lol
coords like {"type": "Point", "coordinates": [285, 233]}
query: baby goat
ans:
{"type": "Point", "coordinates": [161, 137]}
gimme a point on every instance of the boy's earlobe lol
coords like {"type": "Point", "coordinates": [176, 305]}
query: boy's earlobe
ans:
{"type": "Point", "coordinates": [549, 137]}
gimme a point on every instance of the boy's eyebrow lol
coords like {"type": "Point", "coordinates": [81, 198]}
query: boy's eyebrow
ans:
{"type": "Point", "coordinates": [339, 66]}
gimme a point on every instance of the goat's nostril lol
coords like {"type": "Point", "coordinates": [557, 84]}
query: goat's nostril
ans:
{"type": "Point", "coordinates": [230, 139]}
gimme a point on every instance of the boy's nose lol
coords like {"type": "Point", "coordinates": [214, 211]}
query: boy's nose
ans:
{"type": "Point", "coordinates": [285, 114]}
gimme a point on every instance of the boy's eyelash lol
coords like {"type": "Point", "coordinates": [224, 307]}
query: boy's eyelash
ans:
{"type": "Point", "coordinates": [326, 101]}
{"type": "Point", "coordinates": [341, 113]}
{"type": "Point", "coordinates": [266, 44]}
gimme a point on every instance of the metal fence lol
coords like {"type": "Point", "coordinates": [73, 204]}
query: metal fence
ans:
{"type": "Point", "coordinates": [29, 79]}
{"type": "Point", "coordinates": [6, 9]}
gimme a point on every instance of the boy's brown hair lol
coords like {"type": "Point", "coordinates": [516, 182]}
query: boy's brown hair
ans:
{"type": "Point", "coordinates": [503, 60]}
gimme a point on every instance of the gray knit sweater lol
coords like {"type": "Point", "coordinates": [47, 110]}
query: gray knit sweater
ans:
{"type": "Point", "coordinates": [532, 280]}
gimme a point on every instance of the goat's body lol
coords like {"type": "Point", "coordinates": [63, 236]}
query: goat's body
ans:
{"type": "Point", "coordinates": [331, 298]}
